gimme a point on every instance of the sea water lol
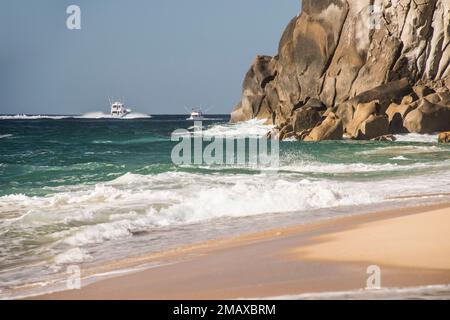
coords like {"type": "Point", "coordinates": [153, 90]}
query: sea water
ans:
{"type": "Point", "coordinates": [80, 191]}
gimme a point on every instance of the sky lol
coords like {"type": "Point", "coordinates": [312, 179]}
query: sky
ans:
{"type": "Point", "coordinates": [159, 56]}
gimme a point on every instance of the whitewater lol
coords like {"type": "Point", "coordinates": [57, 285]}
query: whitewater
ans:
{"type": "Point", "coordinates": [91, 191]}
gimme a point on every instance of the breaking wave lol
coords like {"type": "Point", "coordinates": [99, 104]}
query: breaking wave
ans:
{"type": "Point", "coordinates": [32, 117]}
{"type": "Point", "coordinates": [248, 128]}
{"type": "Point", "coordinates": [135, 203]}
{"type": "Point", "coordinates": [416, 137]}
{"type": "Point", "coordinates": [89, 115]}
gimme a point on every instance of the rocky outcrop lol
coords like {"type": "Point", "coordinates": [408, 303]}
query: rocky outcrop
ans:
{"type": "Point", "coordinates": [396, 114]}
{"type": "Point", "coordinates": [330, 129]}
{"type": "Point", "coordinates": [254, 103]}
{"type": "Point", "coordinates": [428, 117]}
{"type": "Point", "coordinates": [374, 126]}
{"type": "Point", "coordinates": [305, 118]}
{"type": "Point", "coordinates": [361, 114]}
{"type": "Point", "coordinates": [366, 62]}
{"type": "Point", "coordinates": [444, 137]}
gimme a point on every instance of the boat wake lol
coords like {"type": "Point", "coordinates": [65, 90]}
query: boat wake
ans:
{"type": "Point", "coordinates": [32, 117]}
{"type": "Point", "coordinates": [102, 115]}
{"type": "Point", "coordinates": [89, 115]}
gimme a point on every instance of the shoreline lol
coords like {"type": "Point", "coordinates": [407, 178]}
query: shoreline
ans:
{"type": "Point", "coordinates": [315, 257]}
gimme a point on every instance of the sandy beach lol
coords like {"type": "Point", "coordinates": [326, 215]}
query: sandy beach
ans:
{"type": "Point", "coordinates": [411, 246]}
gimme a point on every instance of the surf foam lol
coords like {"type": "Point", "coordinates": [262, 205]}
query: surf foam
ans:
{"type": "Point", "coordinates": [31, 117]}
{"type": "Point", "coordinates": [249, 128]}
{"type": "Point", "coordinates": [416, 137]}
{"type": "Point", "coordinates": [101, 115]}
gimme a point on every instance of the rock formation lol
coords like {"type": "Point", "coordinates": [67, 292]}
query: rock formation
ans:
{"type": "Point", "coordinates": [444, 137]}
{"type": "Point", "coordinates": [372, 67]}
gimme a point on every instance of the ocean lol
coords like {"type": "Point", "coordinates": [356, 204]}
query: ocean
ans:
{"type": "Point", "coordinates": [85, 192]}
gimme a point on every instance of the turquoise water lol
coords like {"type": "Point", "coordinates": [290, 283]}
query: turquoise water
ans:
{"type": "Point", "coordinates": [38, 155]}
{"type": "Point", "coordinates": [85, 191]}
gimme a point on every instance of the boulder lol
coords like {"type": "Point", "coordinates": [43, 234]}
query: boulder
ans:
{"type": "Point", "coordinates": [316, 104]}
{"type": "Point", "coordinates": [422, 91]}
{"type": "Point", "coordinates": [439, 98]}
{"type": "Point", "coordinates": [444, 137]}
{"type": "Point", "coordinates": [330, 129]}
{"type": "Point", "coordinates": [385, 94]}
{"type": "Point", "coordinates": [428, 118]}
{"type": "Point", "coordinates": [345, 112]}
{"type": "Point", "coordinates": [362, 113]}
{"type": "Point", "coordinates": [381, 97]}
{"type": "Point", "coordinates": [302, 135]}
{"type": "Point", "coordinates": [373, 127]}
{"type": "Point", "coordinates": [305, 118]}
{"type": "Point", "coordinates": [285, 131]}
{"type": "Point", "coordinates": [408, 99]}
{"type": "Point", "coordinates": [289, 135]}
{"type": "Point", "coordinates": [396, 114]}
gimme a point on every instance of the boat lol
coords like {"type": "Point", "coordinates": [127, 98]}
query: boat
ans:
{"type": "Point", "coordinates": [196, 115]}
{"type": "Point", "coordinates": [118, 110]}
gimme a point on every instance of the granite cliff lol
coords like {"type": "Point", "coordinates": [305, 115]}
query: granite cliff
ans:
{"type": "Point", "coordinates": [362, 68]}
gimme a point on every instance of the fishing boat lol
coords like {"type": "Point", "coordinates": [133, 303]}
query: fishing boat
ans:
{"type": "Point", "coordinates": [196, 115]}
{"type": "Point", "coordinates": [118, 110]}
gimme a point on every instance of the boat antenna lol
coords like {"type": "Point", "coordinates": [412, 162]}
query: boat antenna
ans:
{"type": "Point", "coordinates": [187, 109]}
{"type": "Point", "coordinates": [209, 109]}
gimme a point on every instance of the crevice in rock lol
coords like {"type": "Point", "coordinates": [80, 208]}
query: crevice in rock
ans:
{"type": "Point", "coordinates": [405, 19]}
{"type": "Point", "coordinates": [392, 74]}
{"type": "Point", "coordinates": [430, 37]}
{"type": "Point", "coordinates": [331, 58]}
{"type": "Point", "coordinates": [267, 80]}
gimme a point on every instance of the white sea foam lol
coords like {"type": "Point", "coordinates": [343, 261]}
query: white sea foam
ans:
{"type": "Point", "coordinates": [416, 137]}
{"type": "Point", "coordinates": [31, 117]}
{"type": "Point", "coordinates": [4, 136]}
{"type": "Point", "coordinates": [431, 292]}
{"type": "Point", "coordinates": [89, 115]}
{"type": "Point", "coordinates": [75, 255]}
{"type": "Point", "coordinates": [402, 150]}
{"type": "Point", "coordinates": [134, 203]}
{"type": "Point", "coordinates": [242, 129]}
{"type": "Point", "coordinates": [331, 168]}
{"type": "Point", "coordinates": [101, 115]}
{"type": "Point", "coordinates": [399, 158]}
{"type": "Point", "coordinates": [314, 167]}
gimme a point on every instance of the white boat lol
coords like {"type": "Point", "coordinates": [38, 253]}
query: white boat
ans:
{"type": "Point", "coordinates": [196, 115]}
{"type": "Point", "coordinates": [118, 110]}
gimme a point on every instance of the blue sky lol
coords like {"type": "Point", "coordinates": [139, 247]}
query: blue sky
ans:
{"type": "Point", "coordinates": [159, 55]}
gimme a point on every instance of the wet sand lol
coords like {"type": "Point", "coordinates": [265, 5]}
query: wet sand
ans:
{"type": "Point", "coordinates": [411, 246]}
